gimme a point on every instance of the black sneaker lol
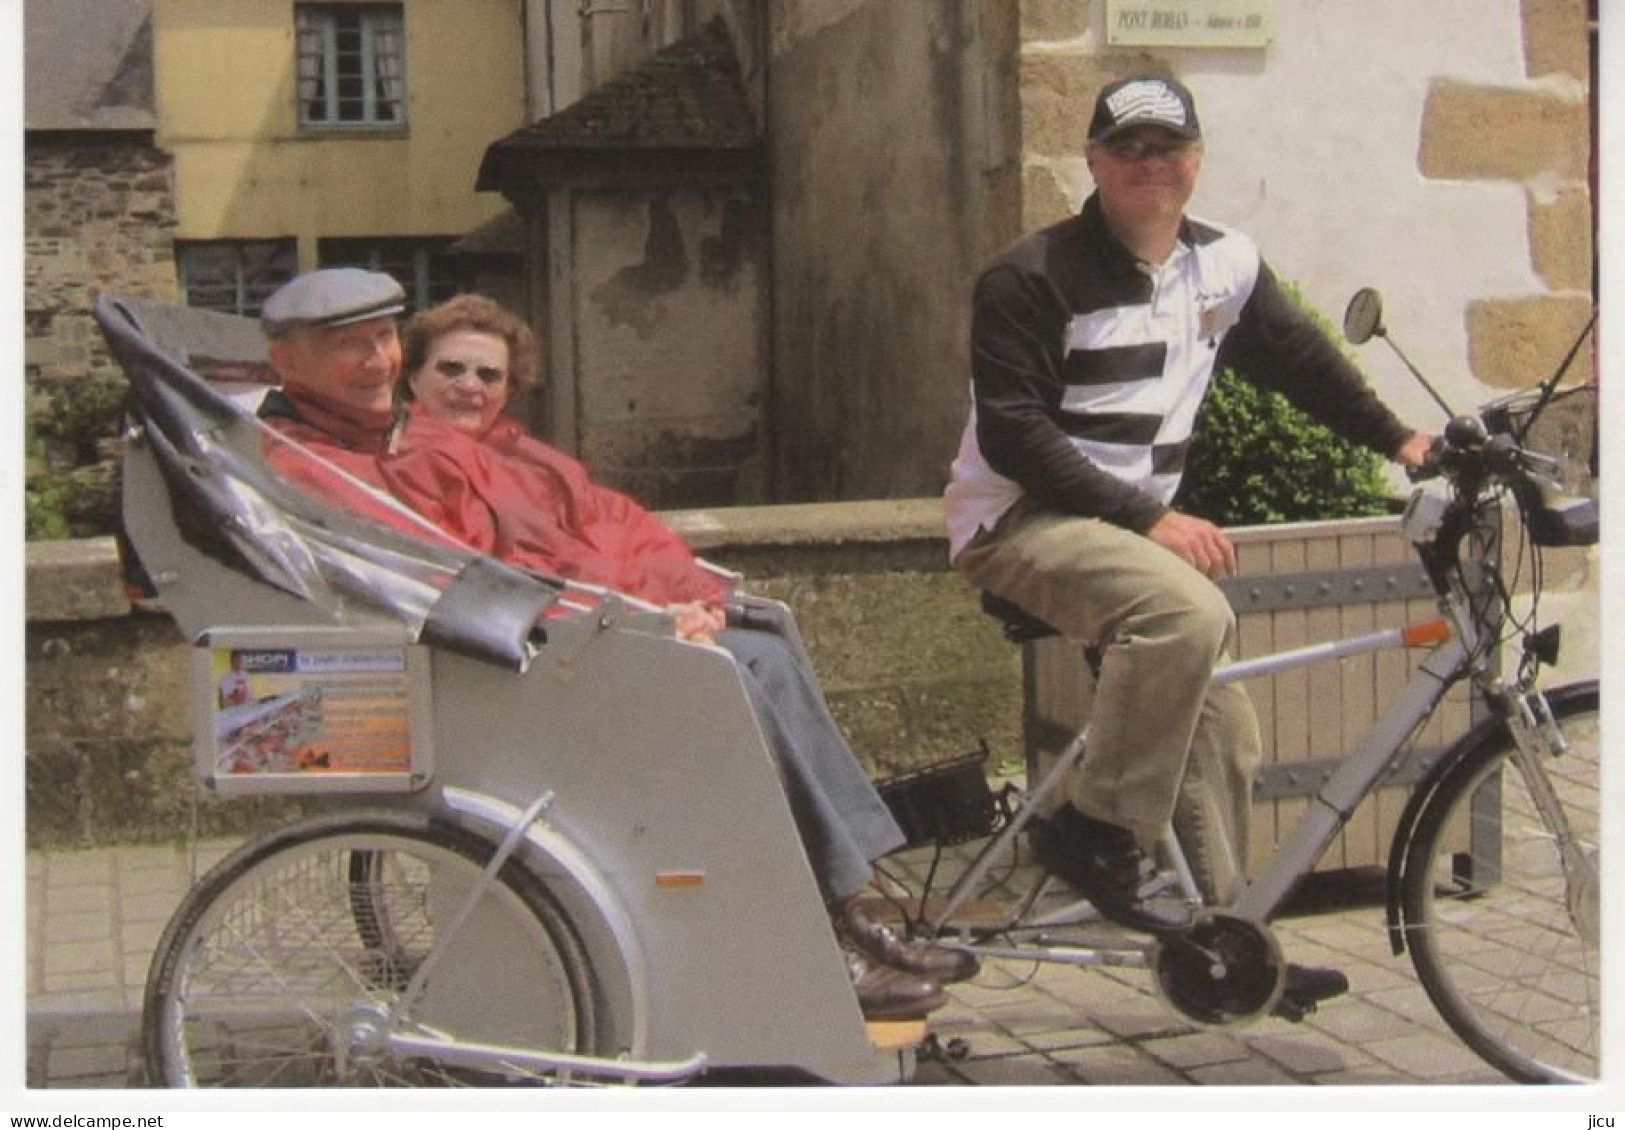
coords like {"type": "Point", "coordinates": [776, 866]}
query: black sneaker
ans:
{"type": "Point", "coordinates": [1304, 989]}
{"type": "Point", "coordinates": [1105, 864]}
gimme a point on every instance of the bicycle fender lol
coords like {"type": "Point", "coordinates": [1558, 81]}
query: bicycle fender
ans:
{"type": "Point", "coordinates": [1488, 730]}
{"type": "Point", "coordinates": [609, 928]}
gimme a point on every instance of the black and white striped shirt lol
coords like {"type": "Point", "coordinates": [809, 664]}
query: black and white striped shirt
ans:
{"type": "Point", "coordinates": [1089, 368]}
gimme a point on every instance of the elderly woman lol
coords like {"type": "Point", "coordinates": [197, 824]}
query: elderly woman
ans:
{"type": "Point", "coordinates": [538, 508]}
{"type": "Point", "coordinates": [458, 461]}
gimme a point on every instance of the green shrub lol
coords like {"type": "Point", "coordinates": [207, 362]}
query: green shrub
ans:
{"type": "Point", "coordinates": [1256, 459]}
{"type": "Point", "coordinates": [70, 476]}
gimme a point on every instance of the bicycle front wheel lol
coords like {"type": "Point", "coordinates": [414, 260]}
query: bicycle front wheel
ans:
{"type": "Point", "coordinates": [1504, 936]}
{"type": "Point", "coordinates": [291, 946]}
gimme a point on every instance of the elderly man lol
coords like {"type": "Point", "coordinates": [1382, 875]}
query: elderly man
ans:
{"type": "Point", "coordinates": [1093, 342]}
{"type": "Point", "coordinates": [335, 344]}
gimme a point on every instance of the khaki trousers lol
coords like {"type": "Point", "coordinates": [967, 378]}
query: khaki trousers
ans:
{"type": "Point", "coordinates": [1165, 745]}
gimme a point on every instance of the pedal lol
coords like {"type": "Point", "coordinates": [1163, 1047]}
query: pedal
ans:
{"type": "Point", "coordinates": [1298, 1001]}
{"type": "Point", "coordinates": [955, 1048]}
{"type": "Point", "coordinates": [1294, 1011]}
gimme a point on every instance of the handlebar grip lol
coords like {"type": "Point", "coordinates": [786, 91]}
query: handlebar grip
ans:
{"type": "Point", "coordinates": [1430, 465]}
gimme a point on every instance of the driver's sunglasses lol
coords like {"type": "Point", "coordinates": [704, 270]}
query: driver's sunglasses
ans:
{"type": "Point", "coordinates": [1143, 147]}
{"type": "Point", "coordinates": [453, 370]}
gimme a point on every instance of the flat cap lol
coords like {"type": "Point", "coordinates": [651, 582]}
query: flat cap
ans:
{"type": "Point", "coordinates": [334, 296]}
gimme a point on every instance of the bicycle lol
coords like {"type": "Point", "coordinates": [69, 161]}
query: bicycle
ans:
{"type": "Point", "coordinates": [1494, 870]}
{"type": "Point", "coordinates": [498, 895]}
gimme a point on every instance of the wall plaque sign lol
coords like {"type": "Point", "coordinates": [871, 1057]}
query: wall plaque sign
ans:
{"type": "Point", "coordinates": [1190, 23]}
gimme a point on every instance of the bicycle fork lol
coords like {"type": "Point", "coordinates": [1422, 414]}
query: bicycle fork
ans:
{"type": "Point", "coordinates": [1536, 743]}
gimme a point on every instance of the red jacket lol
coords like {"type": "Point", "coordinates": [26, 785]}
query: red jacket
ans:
{"type": "Point", "coordinates": [504, 494]}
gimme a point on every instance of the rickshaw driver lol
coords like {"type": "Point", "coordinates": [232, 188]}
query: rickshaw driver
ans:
{"type": "Point", "coordinates": [1092, 343]}
{"type": "Point", "coordinates": [334, 342]}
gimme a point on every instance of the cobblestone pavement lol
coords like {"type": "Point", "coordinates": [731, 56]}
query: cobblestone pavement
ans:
{"type": "Point", "coordinates": [94, 918]}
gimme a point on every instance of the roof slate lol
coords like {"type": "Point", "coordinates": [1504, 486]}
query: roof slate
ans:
{"type": "Point", "coordinates": [503, 236]}
{"type": "Point", "coordinates": [87, 65]}
{"type": "Point", "coordinates": [688, 96]}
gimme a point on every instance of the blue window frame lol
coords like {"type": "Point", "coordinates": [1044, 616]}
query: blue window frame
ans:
{"type": "Point", "coordinates": [351, 66]}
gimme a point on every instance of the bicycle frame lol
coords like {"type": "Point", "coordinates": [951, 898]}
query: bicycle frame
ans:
{"type": "Point", "coordinates": [1334, 803]}
{"type": "Point", "coordinates": [1330, 808]}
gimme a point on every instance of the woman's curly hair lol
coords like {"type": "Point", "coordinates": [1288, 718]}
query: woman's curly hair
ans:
{"type": "Point", "coordinates": [480, 314]}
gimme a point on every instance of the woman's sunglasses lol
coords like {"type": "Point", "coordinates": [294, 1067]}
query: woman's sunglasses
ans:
{"type": "Point", "coordinates": [454, 370]}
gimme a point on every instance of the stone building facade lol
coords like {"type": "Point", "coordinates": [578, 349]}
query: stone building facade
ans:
{"type": "Point", "coordinates": [1436, 151]}
{"type": "Point", "coordinates": [902, 144]}
{"type": "Point", "coordinates": [1540, 144]}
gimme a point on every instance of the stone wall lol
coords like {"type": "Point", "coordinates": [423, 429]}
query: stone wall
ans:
{"type": "Point", "coordinates": [107, 733]}
{"type": "Point", "coordinates": [913, 671]}
{"type": "Point", "coordinates": [99, 212]}
{"type": "Point", "coordinates": [1540, 141]}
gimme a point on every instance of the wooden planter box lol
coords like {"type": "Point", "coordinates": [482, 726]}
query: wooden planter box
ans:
{"type": "Point", "coordinates": [1298, 584]}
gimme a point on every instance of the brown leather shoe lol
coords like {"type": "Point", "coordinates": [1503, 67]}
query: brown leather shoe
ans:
{"type": "Point", "coordinates": [921, 958]}
{"type": "Point", "coordinates": [885, 993]}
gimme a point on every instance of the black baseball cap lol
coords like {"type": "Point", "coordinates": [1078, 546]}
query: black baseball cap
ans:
{"type": "Point", "coordinates": [1144, 100]}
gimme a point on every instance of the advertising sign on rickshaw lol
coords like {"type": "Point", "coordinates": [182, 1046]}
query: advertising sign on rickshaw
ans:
{"type": "Point", "coordinates": [311, 714]}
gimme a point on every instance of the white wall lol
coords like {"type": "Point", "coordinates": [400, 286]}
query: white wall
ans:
{"type": "Point", "coordinates": [1312, 149]}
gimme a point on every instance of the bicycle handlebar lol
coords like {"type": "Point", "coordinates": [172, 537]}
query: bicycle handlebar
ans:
{"type": "Point", "coordinates": [1474, 452]}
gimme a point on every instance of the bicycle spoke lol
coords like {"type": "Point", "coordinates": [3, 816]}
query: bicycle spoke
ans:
{"type": "Point", "coordinates": [286, 944]}
{"type": "Point", "coordinates": [1504, 941]}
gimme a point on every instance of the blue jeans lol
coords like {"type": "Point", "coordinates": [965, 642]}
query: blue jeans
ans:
{"type": "Point", "coordinates": [844, 824]}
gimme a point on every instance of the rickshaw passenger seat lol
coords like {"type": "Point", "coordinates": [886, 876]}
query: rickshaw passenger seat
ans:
{"type": "Point", "coordinates": [320, 537]}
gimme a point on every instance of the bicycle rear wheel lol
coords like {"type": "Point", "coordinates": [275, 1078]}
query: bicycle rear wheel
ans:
{"type": "Point", "coordinates": [1505, 942]}
{"type": "Point", "coordinates": [268, 963]}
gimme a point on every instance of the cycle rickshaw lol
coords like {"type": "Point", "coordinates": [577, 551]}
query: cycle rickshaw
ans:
{"type": "Point", "coordinates": [531, 867]}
